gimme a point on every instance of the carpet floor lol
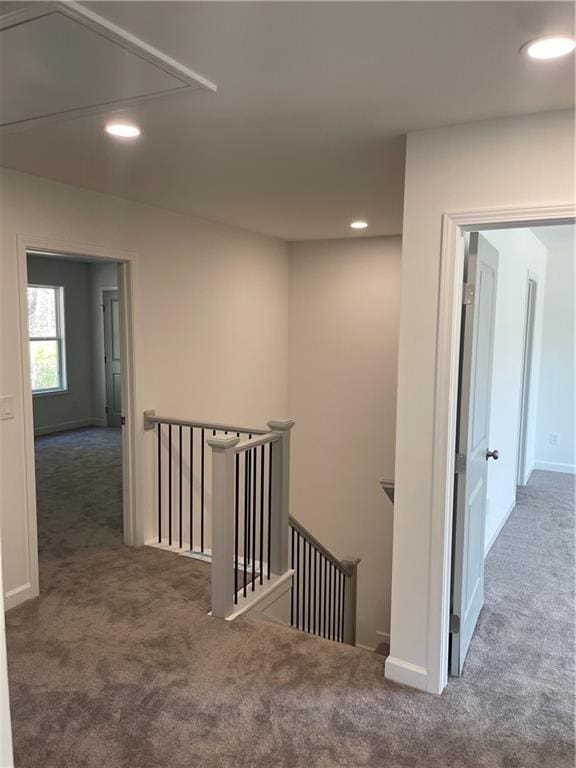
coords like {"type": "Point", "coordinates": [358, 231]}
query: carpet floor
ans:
{"type": "Point", "coordinates": [117, 665]}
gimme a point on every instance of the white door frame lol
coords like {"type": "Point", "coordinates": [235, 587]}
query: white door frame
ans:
{"type": "Point", "coordinates": [454, 226]}
{"type": "Point", "coordinates": [101, 291]}
{"type": "Point", "coordinates": [525, 408]}
{"type": "Point", "coordinates": [127, 265]}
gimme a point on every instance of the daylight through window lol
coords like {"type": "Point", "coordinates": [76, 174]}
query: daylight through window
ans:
{"type": "Point", "coordinates": [46, 326]}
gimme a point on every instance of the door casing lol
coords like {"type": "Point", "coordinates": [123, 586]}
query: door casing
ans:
{"type": "Point", "coordinates": [454, 227]}
{"type": "Point", "coordinates": [113, 416]}
{"type": "Point", "coordinates": [131, 474]}
{"type": "Point", "coordinates": [532, 294]}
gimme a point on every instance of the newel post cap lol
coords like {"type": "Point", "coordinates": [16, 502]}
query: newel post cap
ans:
{"type": "Point", "coordinates": [281, 425]}
{"type": "Point", "coordinates": [223, 443]}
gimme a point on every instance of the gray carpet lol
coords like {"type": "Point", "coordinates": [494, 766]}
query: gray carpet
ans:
{"type": "Point", "coordinates": [117, 663]}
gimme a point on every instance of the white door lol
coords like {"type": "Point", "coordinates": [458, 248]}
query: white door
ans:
{"type": "Point", "coordinates": [472, 447]}
{"type": "Point", "coordinates": [112, 361]}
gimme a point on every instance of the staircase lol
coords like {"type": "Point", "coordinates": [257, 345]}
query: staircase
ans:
{"type": "Point", "coordinates": [222, 495]}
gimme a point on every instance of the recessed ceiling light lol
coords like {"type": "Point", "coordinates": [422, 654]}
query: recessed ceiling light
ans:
{"type": "Point", "coordinates": [123, 130]}
{"type": "Point", "coordinates": [551, 47]}
{"type": "Point", "coordinates": [359, 224]}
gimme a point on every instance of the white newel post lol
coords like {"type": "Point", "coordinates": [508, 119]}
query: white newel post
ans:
{"type": "Point", "coordinates": [222, 525]}
{"type": "Point", "coordinates": [280, 496]}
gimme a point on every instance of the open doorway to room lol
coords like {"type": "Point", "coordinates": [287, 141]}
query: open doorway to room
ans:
{"type": "Point", "coordinates": [515, 441]}
{"type": "Point", "coordinates": [75, 343]}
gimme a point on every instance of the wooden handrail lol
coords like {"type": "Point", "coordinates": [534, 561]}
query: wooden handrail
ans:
{"type": "Point", "coordinates": [347, 571]}
{"type": "Point", "coordinates": [150, 419]}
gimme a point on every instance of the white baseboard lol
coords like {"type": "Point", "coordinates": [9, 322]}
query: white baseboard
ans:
{"type": "Point", "coordinates": [406, 673]}
{"type": "Point", "coordinates": [365, 647]}
{"type": "Point", "coordinates": [527, 475]}
{"type": "Point", "coordinates": [19, 595]}
{"type": "Point", "coordinates": [551, 466]}
{"type": "Point", "coordinates": [381, 637]}
{"type": "Point", "coordinates": [67, 425]}
{"type": "Point", "coordinates": [501, 524]}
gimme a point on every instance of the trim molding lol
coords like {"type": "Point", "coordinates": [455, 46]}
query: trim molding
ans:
{"type": "Point", "coordinates": [64, 426]}
{"type": "Point", "coordinates": [406, 673]}
{"type": "Point", "coordinates": [131, 452]}
{"type": "Point", "coordinates": [551, 466]}
{"type": "Point", "coordinates": [365, 647]}
{"type": "Point", "coordinates": [19, 595]}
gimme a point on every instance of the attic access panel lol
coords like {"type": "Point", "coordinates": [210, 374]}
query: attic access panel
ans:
{"type": "Point", "coordinates": [58, 58]}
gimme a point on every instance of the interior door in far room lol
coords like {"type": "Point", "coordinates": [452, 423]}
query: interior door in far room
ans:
{"type": "Point", "coordinates": [477, 342]}
{"type": "Point", "coordinates": [112, 359]}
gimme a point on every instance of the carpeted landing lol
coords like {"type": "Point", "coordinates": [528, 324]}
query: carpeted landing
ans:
{"type": "Point", "coordinates": [117, 663]}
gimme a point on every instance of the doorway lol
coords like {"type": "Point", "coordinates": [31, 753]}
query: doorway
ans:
{"type": "Point", "coordinates": [516, 314]}
{"type": "Point", "coordinates": [53, 373]}
{"type": "Point", "coordinates": [77, 443]}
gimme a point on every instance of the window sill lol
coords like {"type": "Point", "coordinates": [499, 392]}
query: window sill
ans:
{"type": "Point", "coordinates": [51, 392]}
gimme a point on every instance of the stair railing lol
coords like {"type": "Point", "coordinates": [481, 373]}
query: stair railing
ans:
{"type": "Point", "coordinates": [223, 495]}
{"type": "Point", "coordinates": [250, 503]}
{"type": "Point", "coordinates": [183, 486]}
{"type": "Point", "coordinates": [323, 588]}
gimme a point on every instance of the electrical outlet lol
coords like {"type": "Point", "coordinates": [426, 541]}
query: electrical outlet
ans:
{"type": "Point", "coordinates": [554, 438]}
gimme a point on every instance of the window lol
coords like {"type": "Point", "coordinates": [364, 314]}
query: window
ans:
{"type": "Point", "coordinates": [46, 327]}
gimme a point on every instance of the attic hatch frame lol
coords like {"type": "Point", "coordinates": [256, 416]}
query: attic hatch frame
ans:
{"type": "Point", "coordinates": [191, 80]}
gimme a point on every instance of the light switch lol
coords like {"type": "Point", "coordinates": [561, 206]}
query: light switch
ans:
{"type": "Point", "coordinates": [6, 407]}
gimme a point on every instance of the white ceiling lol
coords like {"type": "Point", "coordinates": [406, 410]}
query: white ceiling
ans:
{"type": "Point", "coordinates": [58, 41]}
{"type": "Point", "coordinates": [306, 131]}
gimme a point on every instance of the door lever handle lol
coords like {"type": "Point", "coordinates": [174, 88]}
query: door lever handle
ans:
{"type": "Point", "coordinates": [492, 455]}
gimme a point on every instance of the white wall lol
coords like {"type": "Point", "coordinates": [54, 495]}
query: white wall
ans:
{"type": "Point", "coordinates": [72, 408]}
{"type": "Point", "coordinates": [102, 275]}
{"type": "Point", "coordinates": [501, 163]}
{"type": "Point", "coordinates": [556, 407]}
{"type": "Point", "coordinates": [210, 317]}
{"type": "Point", "coordinates": [344, 313]}
{"type": "Point", "coordinates": [521, 255]}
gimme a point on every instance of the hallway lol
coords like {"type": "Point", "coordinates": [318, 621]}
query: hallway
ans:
{"type": "Point", "coordinates": [117, 664]}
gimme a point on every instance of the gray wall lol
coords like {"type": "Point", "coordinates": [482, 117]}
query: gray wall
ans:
{"type": "Point", "coordinates": [73, 407]}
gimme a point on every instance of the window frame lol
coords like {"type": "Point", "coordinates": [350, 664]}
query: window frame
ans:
{"type": "Point", "coordinates": [59, 338]}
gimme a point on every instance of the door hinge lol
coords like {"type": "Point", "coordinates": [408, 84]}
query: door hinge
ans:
{"type": "Point", "coordinates": [123, 420]}
{"type": "Point", "coordinates": [460, 464]}
{"type": "Point", "coordinates": [468, 293]}
{"type": "Point", "coordinates": [106, 409]}
{"type": "Point", "coordinates": [454, 622]}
